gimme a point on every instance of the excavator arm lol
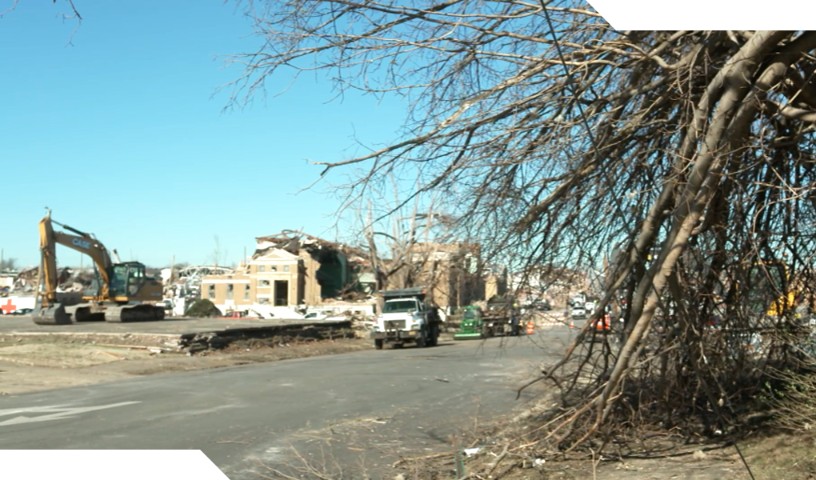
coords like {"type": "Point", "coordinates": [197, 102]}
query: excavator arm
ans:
{"type": "Point", "coordinates": [48, 265]}
{"type": "Point", "coordinates": [88, 245]}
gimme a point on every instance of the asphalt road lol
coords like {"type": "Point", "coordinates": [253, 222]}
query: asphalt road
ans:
{"type": "Point", "coordinates": [342, 414]}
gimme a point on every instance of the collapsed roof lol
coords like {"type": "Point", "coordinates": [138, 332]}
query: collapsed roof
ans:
{"type": "Point", "coordinates": [293, 241]}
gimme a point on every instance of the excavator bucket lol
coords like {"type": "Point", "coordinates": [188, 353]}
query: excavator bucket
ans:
{"type": "Point", "coordinates": [55, 315]}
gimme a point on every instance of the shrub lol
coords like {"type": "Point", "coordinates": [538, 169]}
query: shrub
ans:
{"type": "Point", "coordinates": [203, 308]}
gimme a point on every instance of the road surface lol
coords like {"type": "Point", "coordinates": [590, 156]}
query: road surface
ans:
{"type": "Point", "coordinates": [351, 413]}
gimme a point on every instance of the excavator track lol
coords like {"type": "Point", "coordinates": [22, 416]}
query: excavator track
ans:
{"type": "Point", "coordinates": [88, 314]}
{"type": "Point", "coordinates": [133, 313]}
{"type": "Point", "coordinates": [55, 315]}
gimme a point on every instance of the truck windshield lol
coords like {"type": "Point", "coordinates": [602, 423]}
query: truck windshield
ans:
{"type": "Point", "coordinates": [400, 306]}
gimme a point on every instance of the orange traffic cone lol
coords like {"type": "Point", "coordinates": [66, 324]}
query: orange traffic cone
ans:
{"type": "Point", "coordinates": [530, 327]}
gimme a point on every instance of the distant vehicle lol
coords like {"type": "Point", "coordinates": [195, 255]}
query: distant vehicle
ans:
{"type": "Point", "coordinates": [406, 318]}
{"type": "Point", "coordinates": [589, 306]}
{"type": "Point", "coordinates": [578, 300]}
{"type": "Point", "coordinates": [472, 325]}
{"type": "Point", "coordinates": [22, 311]}
{"type": "Point", "coordinates": [578, 312]}
{"type": "Point", "coordinates": [542, 305]}
{"type": "Point", "coordinates": [315, 316]}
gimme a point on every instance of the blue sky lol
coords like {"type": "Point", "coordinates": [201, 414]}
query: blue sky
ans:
{"type": "Point", "coordinates": [118, 126]}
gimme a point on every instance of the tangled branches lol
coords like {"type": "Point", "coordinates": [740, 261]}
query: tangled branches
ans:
{"type": "Point", "coordinates": [679, 163]}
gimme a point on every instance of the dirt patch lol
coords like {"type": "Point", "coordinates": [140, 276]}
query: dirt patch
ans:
{"type": "Point", "coordinates": [37, 363]}
{"type": "Point", "coordinates": [66, 356]}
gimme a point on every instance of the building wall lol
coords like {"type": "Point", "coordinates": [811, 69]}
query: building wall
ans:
{"type": "Point", "coordinates": [494, 286]}
{"type": "Point", "coordinates": [280, 267]}
{"type": "Point", "coordinates": [227, 290]}
{"type": "Point", "coordinates": [259, 283]}
{"type": "Point", "coordinates": [311, 287]}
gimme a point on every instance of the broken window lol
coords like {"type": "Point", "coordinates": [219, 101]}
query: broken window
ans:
{"type": "Point", "coordinates": [246, 292]}
{"type": "Point", "coordinates": [261, 268]}
{"type": "Point", "coordinates": [211, 292]}
{"type": "Point", "coordinates": [230, 290]}
{"type": "Point", "coordinates": [263, 283]}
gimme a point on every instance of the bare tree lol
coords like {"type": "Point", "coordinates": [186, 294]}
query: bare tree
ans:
{"type": "Point", "coordinates": [684, 157]}
{"type": "Point", "coordinates": [406, 245]}
{"type": "Point", "coordinates": [8, 263]}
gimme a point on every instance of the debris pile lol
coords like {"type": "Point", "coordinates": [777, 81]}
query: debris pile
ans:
{"type": "Point", "coordinates": [272, 335]}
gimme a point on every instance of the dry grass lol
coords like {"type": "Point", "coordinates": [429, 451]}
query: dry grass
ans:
{"type": "Point", "coordinates": [790, 456]}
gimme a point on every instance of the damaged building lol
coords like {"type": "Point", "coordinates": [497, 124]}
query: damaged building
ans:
{"type": "Point", "coordinates": [292, 270]}
{"type": "Point", "coordinates": [289, 270]}
{"type": "Point", "coordinates": [454, 273]}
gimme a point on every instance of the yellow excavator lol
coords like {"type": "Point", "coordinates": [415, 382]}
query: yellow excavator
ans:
{"type": "Point", "coordinates": [122, 292]}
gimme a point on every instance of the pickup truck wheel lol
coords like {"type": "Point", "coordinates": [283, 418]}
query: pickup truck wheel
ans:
{"type": "Point", "coordinates": [378, 344]}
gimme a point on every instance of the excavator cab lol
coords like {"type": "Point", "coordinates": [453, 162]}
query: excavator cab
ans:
{"type": "Point", "coordinates": [126, 279]}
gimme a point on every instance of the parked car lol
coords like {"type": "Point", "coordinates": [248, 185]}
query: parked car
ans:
{"type": "Point", "coordinates": [578, 312]}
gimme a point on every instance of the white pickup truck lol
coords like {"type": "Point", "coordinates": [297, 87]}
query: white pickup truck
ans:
{"type": "Point", "coordinates": [406, 318]}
